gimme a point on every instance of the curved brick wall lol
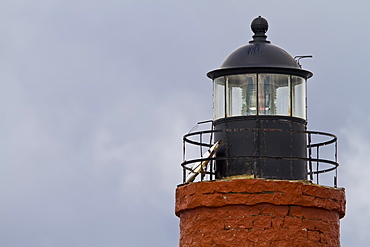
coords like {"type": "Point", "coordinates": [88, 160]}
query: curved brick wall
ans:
{"type": "Point", "coordinates": [256, 212]}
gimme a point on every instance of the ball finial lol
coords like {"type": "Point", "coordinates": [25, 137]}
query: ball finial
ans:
{"type": "Point", "coordinates": [259, 26]}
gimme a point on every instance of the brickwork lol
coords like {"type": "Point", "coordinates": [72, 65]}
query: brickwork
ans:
{"type": "Point", "coordinates": [255, 212]}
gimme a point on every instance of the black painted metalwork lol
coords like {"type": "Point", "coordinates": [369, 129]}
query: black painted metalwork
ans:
{"type": "Point", "coordinates": [310, 159]}
{"type": "Point", "coordinates": [271, 136]}
{"type": "Point", "coordinates": [260, 119]}
{"type": "Point", "coordinates": [259, 56]}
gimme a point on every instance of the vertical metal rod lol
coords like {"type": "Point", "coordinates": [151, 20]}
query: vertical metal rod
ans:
{"type": "Point", "coordinates": [213, 133]}
{"type": "Point", "coordinates": [257, 94]}
{"type": "Point", "coordinates": [317, 164]}
{"type": "Point", "coordinates": [290, 95]}
{"type": "Point", "coordinates": [201, 153]}
{"type": "Point", "coordinates": [201, 142]}
{"type": "Point", "coordinates": [211, 170]}
{"type": "Point", "coordinates": [183, 159]}
{"type": "Point", "coordinates": [336, 169]}
{"type": "Point", "coordinates": [336, 151]}
{"type": "Point", "coordinates": [310, 156]}
{"type": "Point", "coordinates": [183, 150]}
{"type": "Point", "coordinates": [226, 81]}
{"type": "Point", "coordinates": [211, 167]}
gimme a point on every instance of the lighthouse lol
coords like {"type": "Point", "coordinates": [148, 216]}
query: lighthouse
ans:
{"type": "Point", "coordinates": [256, 178]}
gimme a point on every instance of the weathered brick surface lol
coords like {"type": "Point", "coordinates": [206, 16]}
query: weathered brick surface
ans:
{"type": "Point", "coordinates": [256, 212]}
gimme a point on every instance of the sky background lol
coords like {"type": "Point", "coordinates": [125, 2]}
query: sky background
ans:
{"type": "Point", "coordinates": [95, 97]}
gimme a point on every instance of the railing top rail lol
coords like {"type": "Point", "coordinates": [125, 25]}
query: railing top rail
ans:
{"type": "Point", "coordinates": [320, 133]}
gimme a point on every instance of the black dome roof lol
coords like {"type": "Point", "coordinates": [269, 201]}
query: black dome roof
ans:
{"type": "Point", "coordinates": [259, 56]}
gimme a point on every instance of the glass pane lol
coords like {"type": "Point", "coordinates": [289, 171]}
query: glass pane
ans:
{"type": "Point", "coordinates": [241, 95]}
{"type": "Point", "coordinates": [219, 98]}
{"type": "Point", "coordinates": [235, 85]}
{"type": "Point", "coordinates": [234, 95]}
{"type": "Point", "coordinates": [273, 94]}
{"type": "Point", "coordinates": [249, 95]}
{"type": "Point", "coordinates": [282, 100]}
{"type": "Point", "coordinates": [299, 97]}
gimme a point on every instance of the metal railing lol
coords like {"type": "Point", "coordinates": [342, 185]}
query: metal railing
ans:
{"type": "Point", "coordinates": [322, 155]}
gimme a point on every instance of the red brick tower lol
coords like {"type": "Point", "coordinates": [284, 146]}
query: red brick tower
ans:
{"type": "Point", "coordinates": [258, 183]}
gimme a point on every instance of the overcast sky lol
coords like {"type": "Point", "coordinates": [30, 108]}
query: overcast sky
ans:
{"type": "Point", "coordinates": [96, 96]}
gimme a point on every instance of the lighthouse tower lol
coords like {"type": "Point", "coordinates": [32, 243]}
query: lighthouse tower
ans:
{"type": "Point", "coordinates": [256, 178]}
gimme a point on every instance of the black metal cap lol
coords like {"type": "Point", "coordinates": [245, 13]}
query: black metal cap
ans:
{"type": "Point", "coordinates": [259, 56]}
{"type": "Point", "coordinates": [259, 26]}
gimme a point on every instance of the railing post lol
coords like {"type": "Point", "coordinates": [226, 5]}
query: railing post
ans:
{"type": "Point", "coordinates": [183, 160]}
{"type": "Point", "coordinates": [336, 161]}
{"type": "Point", "coordinates": [310, 156]}
{"type": "Point", "coordinates": [317, 164]}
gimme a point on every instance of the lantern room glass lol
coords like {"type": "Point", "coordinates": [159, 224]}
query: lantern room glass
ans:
{"type": "Point", "coordinates": [299, 97]}
{"type": "Point", "coordinates": [259, 94]}
{"type": "Point", "coordinates": [241, 94]}
{"type": "Point", "coordinates": [274, 94]}
{"type": "Point", "coordinates": [219, 98]}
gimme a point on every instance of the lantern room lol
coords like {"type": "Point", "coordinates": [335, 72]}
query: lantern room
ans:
{"type": "Point", "coordinates": [259, 125]}
{"type": "Point", "coordinates": [262, 88]}
{"type": "Point", "coordinates": [259, 79]}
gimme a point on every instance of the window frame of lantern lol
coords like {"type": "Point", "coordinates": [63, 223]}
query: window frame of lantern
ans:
{"type": "Point", "coordinates": [296, 102]}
